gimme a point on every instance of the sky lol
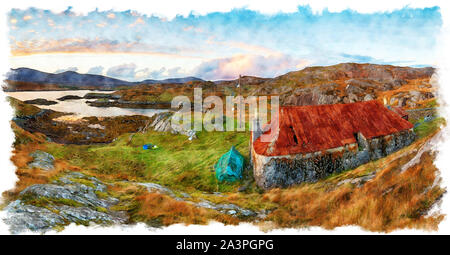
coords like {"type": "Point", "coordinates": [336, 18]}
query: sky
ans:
{"type": "Point", "coordinates": [132, 46]}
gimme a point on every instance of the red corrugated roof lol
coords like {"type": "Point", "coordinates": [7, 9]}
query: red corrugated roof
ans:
{"type": "Point", "coordinates": [399, 111]}
{"type": "Point", "coordinates": [305, 129]}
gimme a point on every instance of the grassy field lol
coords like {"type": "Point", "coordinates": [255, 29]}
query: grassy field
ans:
{"type": "Point", "coordinates": [177, 163]}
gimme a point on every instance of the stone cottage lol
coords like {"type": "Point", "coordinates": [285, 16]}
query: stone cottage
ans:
{"type": "Point", "coordinates": [312, 142]}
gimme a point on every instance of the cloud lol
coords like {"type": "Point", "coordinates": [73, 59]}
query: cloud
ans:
{"type": "Point", "coordinates": [176, 72]}
{"type": "Point", "coordinates": [157, 74]}
{"type": "Point", "coordinates": [73, 69]}
{"type": "Point", "coordinates": [96, 70]}
{"type": "Point", "coordinates": [255, 65]}
{"type": "Point", "coordinates": [146, 73]}
{"type": "Point", "coordinates": [133, 73]}
{"type": "Point", "coordinates": [98, 45]}
{"type": "Point", "coordinates": [142, 74]}
{"type": "Point", "coordinates": [125, 71]}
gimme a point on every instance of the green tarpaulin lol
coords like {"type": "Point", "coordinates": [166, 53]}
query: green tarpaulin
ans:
{"type": "Point", "coordinates": [230, 165]}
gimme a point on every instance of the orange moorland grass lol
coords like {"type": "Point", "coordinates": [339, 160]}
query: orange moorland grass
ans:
{"type": "Point", "coordinates": [21, 157]}
{"type": "Point", "coordinates": [166, 210]}
{"type": "Point", "coordinates": [392, 200]}
{"type": "Point", "coordinates": [28, 177]}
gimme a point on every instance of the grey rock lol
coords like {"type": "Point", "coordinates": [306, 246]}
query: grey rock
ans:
{"type": "Point", "coordinates": [231, 209]}
{"type": "Point", "coordinates": [154, 187]}
{"type": "Point", "coordinates": [22, 216]}
{"type": "Point", "coordinates": [86, 214]}
{"type": "Point", "coordinates": [351, 89]}
{"type": "Point", "coordinates": [358, 181]}
{"type": "Point", "coordinates": [368, 97]}
{"type": "Point", "coordinates": [42, 160]}
{"type": "Point", "coordinates": [77, 192]}
{"type": "Point", "coordinates": [185, 195]}
{"type": "Point", "coordinates": [163, 123]}
{"type": "Point", "coordinates": [352, 98]}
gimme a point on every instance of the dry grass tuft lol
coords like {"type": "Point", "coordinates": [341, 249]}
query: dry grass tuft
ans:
{"type": "Point", "coordinates": [164, 210]}
{"type": "Point", "coordinates": [391, 200]}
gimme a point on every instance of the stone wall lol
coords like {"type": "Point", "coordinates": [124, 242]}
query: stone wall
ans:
{"type": "Point", "coordinates": [284, 171]}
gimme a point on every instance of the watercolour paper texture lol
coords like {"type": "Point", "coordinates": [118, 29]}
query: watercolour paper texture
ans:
{"type": "Point", "coordinates": [217, 118]}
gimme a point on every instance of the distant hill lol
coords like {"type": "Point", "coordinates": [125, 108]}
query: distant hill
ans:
{"type": "Point", "coordinates": [30, 79]}
{"type": "Point", "coordinates": [171, 80]}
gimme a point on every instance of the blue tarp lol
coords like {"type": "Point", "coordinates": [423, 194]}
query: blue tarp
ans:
{"type": "Point", "coordinates": [149, 146]}
{"type": "Point", "coordinates": [230, 165]}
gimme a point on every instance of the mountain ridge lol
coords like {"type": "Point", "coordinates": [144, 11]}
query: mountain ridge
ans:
{"type": "Point", "coordinates": [24, 78]}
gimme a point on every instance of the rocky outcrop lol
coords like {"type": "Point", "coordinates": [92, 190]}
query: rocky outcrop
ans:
{"type": "Point", "coordinates": [410, 98]}
{"type": "Point", "coordinates": [163, 123]}
{"type": "Point", "coordinates": [72, 198]}
{"type": "Point", "coordinates": [324, 94]}
{"type": "Point", "coordinates": [230, 209]}
{"type": "Point", "coordinates": [42, 160]}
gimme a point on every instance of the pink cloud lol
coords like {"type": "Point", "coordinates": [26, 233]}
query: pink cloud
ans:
{"type": "Point", "coordinates": [255, 65]}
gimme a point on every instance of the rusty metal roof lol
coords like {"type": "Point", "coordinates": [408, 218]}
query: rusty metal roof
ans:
{"type": "Point", "coordinates": [399, 111]}
{"type": "Point", "coordinates": [305, 129]}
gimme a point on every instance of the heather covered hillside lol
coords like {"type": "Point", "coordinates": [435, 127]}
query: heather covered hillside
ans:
{"type": "Point", "coordinates": [343, 83]}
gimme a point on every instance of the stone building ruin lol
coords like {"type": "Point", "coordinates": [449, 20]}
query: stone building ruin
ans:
{"type": "Point", "coordinates": [312, 142]}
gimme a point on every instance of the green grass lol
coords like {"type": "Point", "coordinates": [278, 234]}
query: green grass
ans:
{"type": "Point", "coordinates": [21, 109]}
{"type": "Point", "coordinates": [177, 163]}
{"type": "Point", "coordinates": [83, 181]}
{"type": "Point", "coordinates": [432, 103]}
{"type": "Point", "coordinates": [427, 128]}
{"type": "Point", "coordinates": [46, 201]}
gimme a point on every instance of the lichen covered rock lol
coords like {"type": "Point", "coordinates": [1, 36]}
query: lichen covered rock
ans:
{"type": "Point", "coordinates": [42, 160]}
{"type": "Point", "coordinates": [72, 198]}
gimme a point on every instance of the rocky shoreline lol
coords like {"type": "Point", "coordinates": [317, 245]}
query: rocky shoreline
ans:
{"type": "Point", "coordinates": [105, 100]}
{"type": "Point", "coordinates": [86, 130]}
